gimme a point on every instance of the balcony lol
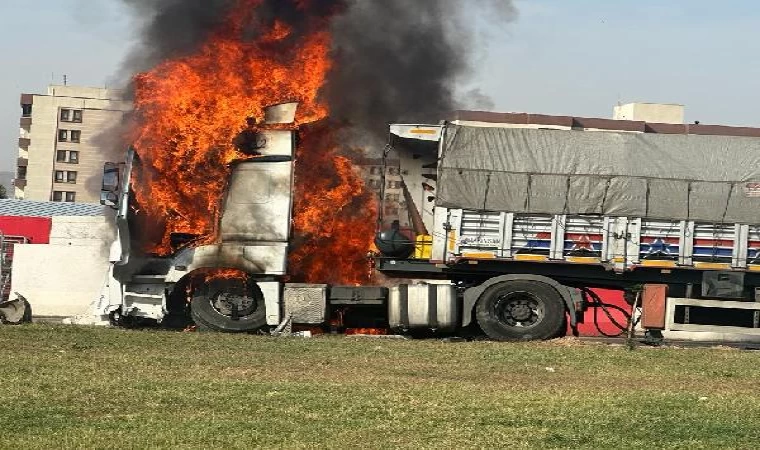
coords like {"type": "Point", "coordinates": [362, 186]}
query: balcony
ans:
{"type": "Point", "coordinates": [24, 142]}
{"type": "Point", "coordinates": [22, 162]}
{"type": "Point", "coordinates": [26, 105]}
{"type": "Point", "coordinates": [25, 122]}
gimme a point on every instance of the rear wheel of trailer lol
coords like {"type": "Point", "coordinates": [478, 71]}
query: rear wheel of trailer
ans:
{"type": "Point", "coordinates": [521, 310]}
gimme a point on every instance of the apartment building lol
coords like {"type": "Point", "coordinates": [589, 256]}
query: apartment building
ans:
{"type": "Point", "coordinates": [61, 149]}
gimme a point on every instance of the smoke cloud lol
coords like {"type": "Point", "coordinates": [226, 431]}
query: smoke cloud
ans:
{"type": "Point", "coordinates": [400, 60]}
{"type": "Point", "coordinates": [395, 60]}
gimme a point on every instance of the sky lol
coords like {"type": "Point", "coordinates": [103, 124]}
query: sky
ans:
{"type": "Point", "coordinates": [42, 40]}
{"type": "Point", "coordinates": [566, 57]}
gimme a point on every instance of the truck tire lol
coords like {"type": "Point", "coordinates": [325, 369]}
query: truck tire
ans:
{"type": "Point", "coordinates": [15, 312]}
{"type": "Point", "coordinates": [27, 318]}
{"type": "Point", "coordinates": [229, 306]}
{"type": "Point", "coordinates": [521, 310]}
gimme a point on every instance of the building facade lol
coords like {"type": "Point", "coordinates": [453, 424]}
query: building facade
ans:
{"type": "Point", "coordinates": [649, 112]}
{"type": "Point", "coordinates": [61, 147]}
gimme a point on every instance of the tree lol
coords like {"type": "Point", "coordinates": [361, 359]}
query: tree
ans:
{"type": "Point", "coordinates": [3, 192]}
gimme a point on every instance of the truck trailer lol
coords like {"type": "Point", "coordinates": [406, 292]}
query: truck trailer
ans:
{"type": "Point", "coordinates": [516, 219]}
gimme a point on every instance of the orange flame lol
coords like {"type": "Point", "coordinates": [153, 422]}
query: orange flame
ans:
{"type": "Point", "coordinates": [225, 274]}
{"type": "Point", "coordinates": [188, 110]}
{"type": "Point", "coordinates": [366, 331]}
{"type": "Point", "coordinates": [334, 213]}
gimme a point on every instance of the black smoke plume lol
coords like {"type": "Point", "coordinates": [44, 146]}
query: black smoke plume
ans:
{"type": "Point", "coordinates": [395, 60]}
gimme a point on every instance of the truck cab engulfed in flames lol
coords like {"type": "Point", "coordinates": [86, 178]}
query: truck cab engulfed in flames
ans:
{"type": "Point", "coordinates": [252, 238]}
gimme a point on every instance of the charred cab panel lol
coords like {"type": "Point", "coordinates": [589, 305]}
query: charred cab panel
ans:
{"type": "Point", "coordinates": [255, 259]}
{"type": "Point", "coordinates": [255, 225]}
{"type": "Point", "coordinates": [258, 203]}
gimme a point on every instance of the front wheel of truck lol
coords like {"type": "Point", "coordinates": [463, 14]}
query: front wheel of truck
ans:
{"type": "Point", "coordinates": [231, 305]}
{"type": "Point", "coordinates": [521, 310]}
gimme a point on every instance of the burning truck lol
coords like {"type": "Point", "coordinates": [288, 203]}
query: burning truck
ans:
{"type": "Point", "coordinates": [240, 206]}
{"type": "Point", "coordinates": [515, 228]}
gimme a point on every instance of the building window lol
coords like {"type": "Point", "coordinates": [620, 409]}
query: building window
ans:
{"type": "Point", "coordinates": [63, 135]}
{"type": "Point", "coordinates": [393, 171]}
{"type": "Point", "coordinates": [375, 170]}
{"type": "Point", "coordinates": [392, 198]}
{"type": "Point", "coordinates": [374, 184]}
{"type": "Point", "coordinates": [59, 176]}
{"type": "Point", "coordinates": [75, 135]}
{"type": "Point", "coordinates": [391, 210]}
{"type": "Point", "coordinates": [26, 110]}
{"type": "Point", "coordinates": [71, 115]}
{"type": "Point", "coordinates": [21, 173]}
{"type": "Point", "coordinates": [61, 196]}
{"type": "Point", "coordinates": [71, 176]}
{"type": "Point", "coordinates": [67, 156]}
{"type": "Point", "coordinates": [394, 185]}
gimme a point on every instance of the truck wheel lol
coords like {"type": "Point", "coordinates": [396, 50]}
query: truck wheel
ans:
{"type": "Point", "coordinates": [521, 311]}
{"type": "Point", "coordinates": [27, 318]}
{"type": "Point", "coordinates": [229, 305]}
{"type": "Point", "coordinates": [15, 312]}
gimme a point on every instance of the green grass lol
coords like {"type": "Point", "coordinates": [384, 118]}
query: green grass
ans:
{"type": "Point", "coordinates": [84, 387]}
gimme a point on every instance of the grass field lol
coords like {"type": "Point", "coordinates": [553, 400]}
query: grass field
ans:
{"type": "Point", "coordinates": [105, 388]}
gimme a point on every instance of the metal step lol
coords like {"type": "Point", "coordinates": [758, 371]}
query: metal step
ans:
{"type": "Point", "coordinates": [137, 279]}
{"type": "Point", "coordinates": [144, 297]}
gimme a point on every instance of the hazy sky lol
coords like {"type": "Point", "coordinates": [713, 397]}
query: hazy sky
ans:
{"type": "Point", "coordinates": [41, 40]}
{"type": "Point", "coordinates": [572, 57]}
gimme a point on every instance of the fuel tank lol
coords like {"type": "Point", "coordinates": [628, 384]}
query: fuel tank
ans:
{"type": "Point", "coordinates": [424, 307]}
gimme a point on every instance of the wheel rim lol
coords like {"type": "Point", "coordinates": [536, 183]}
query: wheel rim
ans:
{"type": "Point", "coordinates": [519, 309]}
{"type": "Point", "coordinates": [233, 305]}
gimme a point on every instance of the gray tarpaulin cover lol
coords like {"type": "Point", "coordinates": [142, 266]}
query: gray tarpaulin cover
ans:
{"type": "Point", "coordinates": [664, 176]}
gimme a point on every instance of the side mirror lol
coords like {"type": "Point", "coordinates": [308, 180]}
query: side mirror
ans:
{"type": "Point", "coordinates": [109, 191]}
{"type": "Point", "coordinates": [110, 177]}
{"type": "Point", "coordinates": [109, 199]}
